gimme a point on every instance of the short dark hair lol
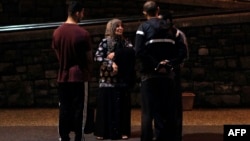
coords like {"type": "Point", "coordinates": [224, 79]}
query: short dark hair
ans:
{"type": "Point", "coordinates": [168, 17]}
{"type": "Point", "coordinates": [150, 7]}
{"type": "Point", "coordinates": [74, 6]}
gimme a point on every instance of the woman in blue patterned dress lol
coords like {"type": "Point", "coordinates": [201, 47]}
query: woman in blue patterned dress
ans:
{"type": "Point", "coordinates": [116, 56]}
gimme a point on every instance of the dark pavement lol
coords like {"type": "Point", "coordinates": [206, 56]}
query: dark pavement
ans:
{"type": "Point", "coordinates": [49, 133]}
{"type": "Point", "coordinates": [41, 124]}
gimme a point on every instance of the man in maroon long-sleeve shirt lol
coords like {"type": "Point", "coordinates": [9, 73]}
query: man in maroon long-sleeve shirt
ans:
{"type": "Point", "coordinates": [73, 50]}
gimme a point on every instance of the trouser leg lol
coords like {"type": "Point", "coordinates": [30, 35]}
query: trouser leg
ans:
{"type": "Point", "coordinates": [64, 112]}
{"type": "Point", "coordinates": [89, 126]}
{"type": "Point", "coordinates": [164, 108]}
{"type": "Point", "coordinates": [125, 113]}
{"type": "Point", "coordinates": [146, 106]}
{"type": "Point", "coordinates": [71, 97]}
{"type": "Point", "coordinates": [179, 110]}
{"type": "Point", "coordinates": [78, 104]}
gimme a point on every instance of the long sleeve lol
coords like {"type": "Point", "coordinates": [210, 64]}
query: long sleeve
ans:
{"type": "Point", "coordinates": [102, 52]}
{"type": "Point", "coordinates": [147, 62]}
{"type": "Point", "coordinates": [182, 51]}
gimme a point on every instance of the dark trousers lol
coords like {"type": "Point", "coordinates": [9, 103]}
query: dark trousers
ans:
{"type": "Point", "coordinates": [71, 103]}
{"type": "Point", "coordinates": [178, 104]}
{"type": "Point", "coordinates": [90, 120]}
{"type": "Point", "coordinates": [158, 105]}
{"type": "Point", "coordinates": [125, 112]}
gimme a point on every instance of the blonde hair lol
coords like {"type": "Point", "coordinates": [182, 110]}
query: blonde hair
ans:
{"type": "Point", "coordinates": [111, 27]}
{"type": "Point", "coordinates": [110, 33]}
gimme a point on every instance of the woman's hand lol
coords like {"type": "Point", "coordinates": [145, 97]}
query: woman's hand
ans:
{"type": "Point", "coordinates": [111, 55]}
{"type": "Point", "coordinates": [115, 68]}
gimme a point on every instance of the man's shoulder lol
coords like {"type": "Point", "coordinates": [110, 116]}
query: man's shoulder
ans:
{"type": "Point", "coordinates": [83, 31]}
{"type": "Point", "coordinates": [145, 24]}
{"type": "Point", "coordinates": [181, 33]}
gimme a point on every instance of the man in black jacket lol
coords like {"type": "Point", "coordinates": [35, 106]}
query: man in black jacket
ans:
{"type": "Point", "coordinates": [159, 53]}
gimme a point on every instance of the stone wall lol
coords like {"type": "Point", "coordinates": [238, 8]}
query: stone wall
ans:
{"type": "Point", "coordinates": [13, 12]}
{"type": "Point", "coordinates": [217, 71]}
{"type": "Point", "coordinates": [218, 68]}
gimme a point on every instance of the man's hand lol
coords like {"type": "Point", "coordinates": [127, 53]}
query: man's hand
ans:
{"type": "Point", "coordinates": [164, 62]}
{"type": "Point", "coordinates": [160, 67]}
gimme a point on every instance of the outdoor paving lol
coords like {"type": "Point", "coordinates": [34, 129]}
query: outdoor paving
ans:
{"type": "Point", "coordinates": [40, 124]}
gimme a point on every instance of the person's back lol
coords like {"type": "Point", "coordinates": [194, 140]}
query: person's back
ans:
{"type": "Point", "coordinates": [169, 19]}
{"type": "Point", "coordinates": [160, 44]}
{"type": "Point", "coordinates": [159, 51]}
{"type": "Point", "coordinates": [71, 42]}
{"type": "Point", "coordinates": [157, 32]}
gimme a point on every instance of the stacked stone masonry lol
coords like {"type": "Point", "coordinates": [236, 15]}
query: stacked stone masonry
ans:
{"type": "Point", "coordinates": [217, 72]}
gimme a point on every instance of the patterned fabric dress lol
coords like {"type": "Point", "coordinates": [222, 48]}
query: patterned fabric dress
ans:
{"type": "Point", "coordinates": [107, 77]}
{"type": "Point", "coordinates": [113, 98]}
